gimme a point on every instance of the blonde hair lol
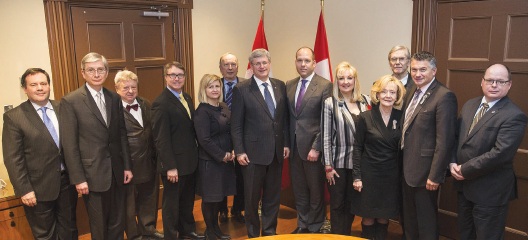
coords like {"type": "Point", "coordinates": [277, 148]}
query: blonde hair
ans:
{"type": "Point", "coordinates": [340, 70]}
{"type": "Point", "coordinates": [125, 75]}
{"type": "Point", "coordinates": [207, 80]}
{"type": "Point", "coordinates": [381, 83]}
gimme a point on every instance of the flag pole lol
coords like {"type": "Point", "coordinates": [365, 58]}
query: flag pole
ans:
{"type": "Point", "coordinates": [262, 9]}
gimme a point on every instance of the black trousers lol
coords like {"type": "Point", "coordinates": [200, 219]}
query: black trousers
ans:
{"type": "Point", "coordinates": [55, 219]}
{"type": "Point", "coordinates": [178, 205]}
{"type": "Point", "coordinates": [141, 203]}
{"type": "Point", "coordinates": [420, 211]}
{"type": "Point", "coordinates": [340, 217]}
{"type": "Point", "coordinates": [106, 212]}
{"type": "Point", "coordinates": [262, 184]}
{"type": "Point", "coordinates": [480, 222]}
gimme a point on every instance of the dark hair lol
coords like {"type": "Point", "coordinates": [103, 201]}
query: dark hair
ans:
{"type": "Point", "coordinates": [32, 71]}
{"type": "Point", "coordinates": [172, 64]}
{"type": "Point", "coordinates": [425, 56]}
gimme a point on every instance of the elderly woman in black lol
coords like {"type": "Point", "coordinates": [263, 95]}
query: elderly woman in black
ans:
{"type": "Point", "coordinates": [216, 172]}
{"type": "Point", "coordinates": [376, 174]}
{"type": "Point", "coordinates": [337, 130]}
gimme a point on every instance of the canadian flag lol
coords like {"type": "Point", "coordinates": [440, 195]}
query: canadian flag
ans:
{"type": "Point", "coordinates": [322, 56]}
{"type": "Point", "coordinates": [259, 42]}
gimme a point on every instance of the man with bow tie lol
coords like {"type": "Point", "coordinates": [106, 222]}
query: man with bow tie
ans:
{"type": "Point", "coordinates": [142, 192]}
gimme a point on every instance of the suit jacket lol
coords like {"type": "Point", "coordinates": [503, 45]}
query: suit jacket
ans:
{"type": "Point", "coordinates": [305, 126]}
{"type": "Point", "coordinates": [486, 154]}
{"type": "Point", "coordinates": [430, 137]}
{"type": "Point", "coordinates": [142, 149]}
{"type": "Point", "coordinates": [409, 85]}
{"type": "Point", "coordinates": [31, 156]}
{"type": "Point", "coordinates": [254, 131]}
{"type": "Point", "coordinates": [239, 79]}
{"type": "Point", "coordinates": [93, 150]}
{"type": "Point", "coordinates": [174, 135]}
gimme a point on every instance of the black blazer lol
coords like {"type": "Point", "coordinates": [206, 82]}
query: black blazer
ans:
{"type": "Point", "coordinates": [174, 135]}
{"type": "Point", "coordinates": [486, 154]}
{"type": "Point", "coordinates": [253, 130]}
{"type": "Point", "coordinates": [31, 156]}
{"type": "Point", "coordinates": [213, 131]}
{"type": "Point", "coordinates": [93, 150]}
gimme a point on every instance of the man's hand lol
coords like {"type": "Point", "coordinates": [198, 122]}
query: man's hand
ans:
{"type": "Point", "coordinates": [172, 175]}
{"type": "Point", "coordinates": [313, 155]}
{"type": "Point", "coordinates": [82, 188]}
{"type": "Point", "coordinates": [29, 199]}
{"type": "Point", "coordinates": [456, 171]}
{"type": "Point", "coordinates": [286, 152]}
{"type": "Point", "coordinates": [128, 176]}
{"type": "Point", "coordinates": [243, 159]}
{"type": "Point", "coordinates": [431, 186]}
{"type": "Point", "coordinates": [358, 185]}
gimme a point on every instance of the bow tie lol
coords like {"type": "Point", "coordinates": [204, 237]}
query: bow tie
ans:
{"type": "Point", "coordinates": [133, 106]}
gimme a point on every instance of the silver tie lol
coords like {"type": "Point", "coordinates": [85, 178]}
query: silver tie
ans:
{"type": "Point", "coordinates": [101, 105]}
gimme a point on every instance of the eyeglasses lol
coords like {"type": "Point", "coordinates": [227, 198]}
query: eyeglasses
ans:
{"type": "Point", "coordinates": [259, 64]}
{"type": "Point", "coordinates": [174, 76]}
{"type": "Point", "coordinates": [92, 71]}
{"type": "Point", "coordinates": [498, 82]}
{"type": "Point", "coordinates": [395, 60]}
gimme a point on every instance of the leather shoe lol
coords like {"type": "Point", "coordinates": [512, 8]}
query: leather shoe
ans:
{"type": "Point", "coordinates": [222, 217]}
{"type": "Point", "coordinates": [157, 235]}
{"type": "Point", "coordinates": [238, 217]}
{"type": "Point", "coordinates": [300, 230]}
{"type": "Point", "coordinates": [191, 235]}
{"type": "Point", "coordinates": [219, 234]}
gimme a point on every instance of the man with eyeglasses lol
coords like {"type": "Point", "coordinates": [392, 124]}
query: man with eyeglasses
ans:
{"type": "Point", "coordinates": [259, 128]}
{"type": "Point", "coordinates": [490, 131]}
{"type": "Point", "coordinates": [399, 60]}
{"type": "Point", "coordinates": [175, 140]}
{"type": "Point", "coordinates": [96, 149]}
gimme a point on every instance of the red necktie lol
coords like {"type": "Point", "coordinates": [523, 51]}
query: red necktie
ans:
{"type": "Point", "coordinates": [133, 106]}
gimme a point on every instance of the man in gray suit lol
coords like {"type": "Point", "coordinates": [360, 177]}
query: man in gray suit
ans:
{"type": "Point", "coordinates": [259, 127]}
{"type": "Point", "coordinates": [34, 161]}
{"type": "Point", "coordinates": [96, 148]}
{"type": "Point", "coordinates": [306, 94]}
{"type": "Point", "coordinates": [491, 129]}
{"type": "Point", "coordinates": [142, 192]}
{"type": "Point", "coordinates": [428, 145]}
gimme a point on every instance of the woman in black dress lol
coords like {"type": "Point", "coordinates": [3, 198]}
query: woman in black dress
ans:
{"type": "Point", "coordinates": [216, 172]}
{"type": "Point", "coordinates": [375, 173]}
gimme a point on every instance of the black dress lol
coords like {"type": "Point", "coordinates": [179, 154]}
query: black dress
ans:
{"type": "Point", "coordinates": [216, 179]}
{"type": "Point", "coordinates": [376, 164]}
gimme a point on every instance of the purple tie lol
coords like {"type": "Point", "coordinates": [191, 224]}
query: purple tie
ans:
{"type": "Point", "coordinates": [300, 96]}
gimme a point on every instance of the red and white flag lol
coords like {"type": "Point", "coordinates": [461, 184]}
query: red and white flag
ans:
{"type": "Point", "coordinates": [322, 56]}
{"type": "Point", "coordinates": [260, 42]}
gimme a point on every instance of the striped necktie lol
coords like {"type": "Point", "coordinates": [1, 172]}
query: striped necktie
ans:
{"type": "Point", "coordinates": [478, 116]}
{"type": "Point", "coordinates": [229, 94]}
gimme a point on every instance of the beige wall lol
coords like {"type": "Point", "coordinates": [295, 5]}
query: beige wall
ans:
{"type": "Point", "coordinates": [361, 32]}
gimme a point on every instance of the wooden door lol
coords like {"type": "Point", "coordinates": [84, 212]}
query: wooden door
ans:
{"type": "Point", "coordinates": [467, 37]}
{"type": "Point", "coordinates": [128, 40]}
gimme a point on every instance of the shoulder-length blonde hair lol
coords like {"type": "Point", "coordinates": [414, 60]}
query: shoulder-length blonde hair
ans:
{"type": "Point", "coordinates": [381, 83]}
{"type": "Point", "coordinates": [207, 80]}
{"type": "Point", "coordinates": [340, 70]}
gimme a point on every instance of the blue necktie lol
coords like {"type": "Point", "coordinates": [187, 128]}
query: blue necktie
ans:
{"type": "Point", "coordinates": [269, 100]}
{"type": "Point", "coordinates": [300, 96]}
{"type": "Point", "coordinates": [229, 94]}
{"type": "Point", "coordinates": [49, 125]}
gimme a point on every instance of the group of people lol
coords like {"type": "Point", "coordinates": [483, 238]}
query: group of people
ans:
{"type": "Point", "coordinates": [382, 156]}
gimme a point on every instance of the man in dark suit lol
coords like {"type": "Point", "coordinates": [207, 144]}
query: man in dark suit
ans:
{"type": "Point", "coordinates": [175, 140]}
{"type": "Point", "coordinates": [142, 192]}
{"type": "Point", "coordinates": [306, 94]}
{"type": "Point", "coordinates": [229, 68]}
{"type": "Point", "coordinates": [96, 148]}
{"type": "Point", "coordinates": [428, 144]}
{"type": "Point", "coordinates": [34, 161]}
{"type": "Point", "coordinates": [399, 60]}
{"type": "Point", "coordinates": [259, 127]}
{"type": "Point", "coordinates": [491, 130]}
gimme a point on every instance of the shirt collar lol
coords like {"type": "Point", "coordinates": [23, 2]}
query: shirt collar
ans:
{"type": "Point", "coordinates": [37, 107]}
{"type": "Point", "coordinates": [175, 93]}
{"type": "Point", "coordinates": [125, 103]}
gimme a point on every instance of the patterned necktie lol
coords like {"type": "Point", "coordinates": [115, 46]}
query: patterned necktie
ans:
{"type": "Point", "coordinates": [49, 125]}
{"type": "Point", "coordinates": [101, 105]}
{"type": "Point", "coordinates": [229, 94]}
{"type": "Point", "coordinates": [182, 100]}
{"type": "Point", "coordinates": [479, 115]}
{"type": "Point", "coordinates": [409, 113]}
{"type": "Point", "coordinates": [269, 100]}
{"type": "Point", "coordinates": [300, 96]}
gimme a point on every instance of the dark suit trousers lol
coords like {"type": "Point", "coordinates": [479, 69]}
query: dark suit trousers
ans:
{"type": "Point", "coordinates": [106, 212]}
{"type": "Point", "coordinates": [340, 217]}
{"type": "Point", "coordinates": [420, 210]}
{"type": "Point", "coordinates": [141, 202]}
{"type": "Point", "coordinates": [308, 188]}
{"type": "Point", "coordinates": [262, 181]}
{"type": "Point", "coordinates": [238, 199]}
{"type": "Point", "coordinates": [55, 219]}
{"type": "Point", "coordinates": [178, 205]}
{"type": "Point", "coordinates": [480, 222]}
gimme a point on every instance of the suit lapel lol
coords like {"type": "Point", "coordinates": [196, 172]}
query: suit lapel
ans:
{"type": "Point", "coordinates": [33, 117]}
{"type": "Point", "coordinates": [108, 105]}
{"type": "Point", "coordinates": [90, 103]}
{"type": "Point", "coordinates": [492, 112]}
{"type": "Point", "coordinates": [177, 101]}
{"type": "Point", "coordinates": [423, 100]}
{"type": "Point", "coordinates": [310, 89]}
{"type": "Point", "coordinates": [254, 88]}
{"type": "Point", "coordinates": [291, 95]}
